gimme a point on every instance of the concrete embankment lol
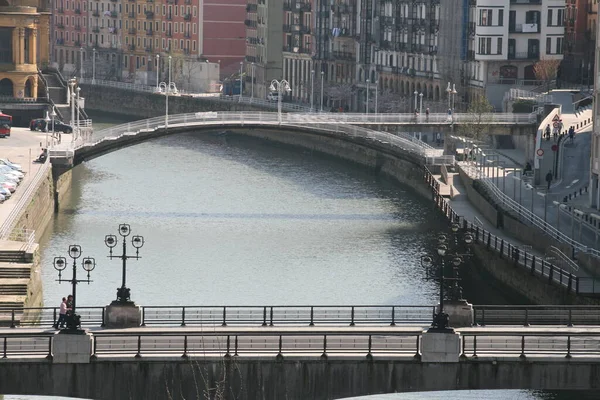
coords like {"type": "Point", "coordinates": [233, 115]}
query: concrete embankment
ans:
{"type": "Point", "coordinates": [20, 268]}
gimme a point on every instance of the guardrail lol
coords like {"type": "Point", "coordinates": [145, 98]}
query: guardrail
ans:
{"type": "Point", "coordinates": [319, 122]}
{"type": "Point", "coordinates": [48, 316]}
{"type": "Point", "coordinates": [29, 345]}
{"type": "Point", "coordinates": [505, 249]}
{"type": "Point", "coordinates": [536, 315]}
{"type": "Point", "coordinates": [12, 218]}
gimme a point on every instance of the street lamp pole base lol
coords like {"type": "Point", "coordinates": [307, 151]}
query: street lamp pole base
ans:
{"type": "Point", "coordinates": [123, 315]}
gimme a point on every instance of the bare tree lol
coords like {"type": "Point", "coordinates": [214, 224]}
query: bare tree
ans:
{"type": "Point", "coordinates": [478, 119]}
{"type": "Point", "coordinates": [388, 102]}
{"type": "Point", "coordinates": [340, 93]}
{"type": "Point", "coordinates": [546, 70]}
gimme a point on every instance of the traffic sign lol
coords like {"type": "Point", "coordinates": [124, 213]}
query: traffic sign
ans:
{"type": "Point", "coordinates": [540, 152]}
{"type": "Point", "coordinates": [555, 124]}
{"type": "Point", "coordinates": [554, 147]}
{"type": "Point", "coordinates": [556, 118]}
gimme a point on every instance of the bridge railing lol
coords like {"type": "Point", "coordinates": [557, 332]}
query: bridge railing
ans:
{"type": "Point", "coordinates": [505, 249]}
{"type": "Point", "coordinates": [286, 315]}
{"type": "Point", "coordinates": [26, 345]}
{"type": "Point", "coordinates": [536, 315]}
{"type": "Point", "coordinates": [407, 143]}
{"type": "Point", "coordinates": [48, 316]}
{"type": "Point", "coordinates": [268, 343]}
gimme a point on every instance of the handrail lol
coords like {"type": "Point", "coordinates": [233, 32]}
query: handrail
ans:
{"type": "Point", "coordinates": [12, 218]}
{"type": "Point", "coordinates": [556, 251]}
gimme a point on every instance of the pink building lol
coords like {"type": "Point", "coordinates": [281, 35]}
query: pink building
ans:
{"type": "Point", "coordinates": [223, 33]}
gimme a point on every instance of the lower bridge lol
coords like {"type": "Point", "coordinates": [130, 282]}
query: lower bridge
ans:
{"type": "Point", "coordinates": [294, 362]}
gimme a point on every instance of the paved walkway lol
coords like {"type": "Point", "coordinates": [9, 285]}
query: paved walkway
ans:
{"type": "Point", "coordinates": [22, 147]}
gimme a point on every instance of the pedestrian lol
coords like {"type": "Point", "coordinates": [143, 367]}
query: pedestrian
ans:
{"type": "Point", "coordinates": [438, 139]}
{"type": "Point", "coordinates": [571, 133]}
{"type": "Point", "coordinates": [560, 126]}
{"type": "Point", "coordinates": [62, 315]}
{"type": "Point", "coordinates": [549, 179]}
{"type": "Point", "coordinates": [555, 133]}
{"type": "Point", "coordinates": [427, 113]}
{"type": "Point", "coordinates": [548, 132]}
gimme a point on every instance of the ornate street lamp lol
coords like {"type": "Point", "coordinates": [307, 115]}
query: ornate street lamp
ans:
{"type": "Point", "coordinates": [312, 89]}
{"type": "Point", "coordinates": [445, 256]}
{"type": "Point", "coordinates": [111, 241]}
{"type": "Point", "coordinates": [60, 264]}
{"type": "Point", "coordinates": [279, 86]}
{"type": "Point", "coordinates": [367, 102]}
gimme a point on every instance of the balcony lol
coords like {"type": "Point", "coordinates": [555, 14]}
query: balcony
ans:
{"type": "Point", "coordinates": [149, 14]}
{"type": "Point", "coordinates": [60, 41]}
{"type": "Point", "coordinates": [168, 34]}
{"type": "Point", "coordinates": [187, 2]}
{"type": "Point", "coordinates": [132, 31]}
{"type": "Point", "coordinates": [169, 16]}
{"type": "Point", "coordinates": [77, 27]}
{"type": "Point", "coordinates": [96, 13]}
{"type": "Point", "coordinates": [251, 8]}
{"type": "Point", "coordinates": [187, 35]}
{"type": "Point", "coordinates": [77, 43]}
{"type": "Point", "coordinates": [60, 26]}
{"type": "Point", "coordinates": [526, 55]}
{"type": "Point", "coordinates": [61, 10]}
{"type": "Point", "coordinates": [131, 14]}
{"type": "Point", "coordinates": [343, 55]}
{"type": "Point", "coordinates": [113, 14]}
{"type": "Point", "coordinates": [524, 28]}
{"type": "Point", "coordinates": [96, 30]}
{"type": "Point", "coordinates": [149, 32]}
{"type": "Point", "coordinates": [525, 1]}
{"type": "Point", "coordinates": [131, 47]}
{"type": "Point", "coordinates": [149, 49]}
{"type": "Point", "coordinates": [78, 11]}
{"type": "Point", "coordinates": [187, 17]}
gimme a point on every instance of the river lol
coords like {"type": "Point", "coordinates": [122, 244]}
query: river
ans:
{"type": "Point", "coordinates": [239, 222]}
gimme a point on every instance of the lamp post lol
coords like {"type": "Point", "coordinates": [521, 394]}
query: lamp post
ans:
{"type": "Point", "coordinates": [157, 70]}
{"type": "Point", "coordinates": [312, 90]}
{"type": "Point", "coordinates": [53, 115]}
{"type": "Point", "coordinates": [47, 120]}
{"type": "Point", "coordinates": [88, 264]}
{"type": "Point", "coordinates": [367, 102]}
{"type": "Point", "coordinates": [241, 85]}
{"type": "Point", "coordinates": [454, 93]}
{"type": "Point", "coordinates": [416, 94]}
{"type": "Point", "coordinates": [81, 62]}
{"type": "Point", "coordinates": [376, 96]}
{"type": "Point", "coordinates": [78, 90]}
{"type": "Point", "coordinates": [449, 91]}
{"type": "Point", "coordinates": [545, 196]}
{"type": "Point", "coordinates": [111, 241]}
{"type": "Point", "coordinates": [440, 320]}
{"type": "Point", "coordinates": [93, 66]}
{"type": "Point", "coordinates": [420, 103]}
{"type": "Point", "coordinates": [252, 86]}
{"type": "Point", "coordinates": [279, 86]}
{"type": "Point", "coordinates": [72, 99]}
{"type": "Point", "coordinates": [322, 85]}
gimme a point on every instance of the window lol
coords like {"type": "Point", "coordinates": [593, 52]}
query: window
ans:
{"type": "Point", "coordinates": [550, 17]}
{"type": "Point", "coordinates": [548, 45]}
{"type": "Point", "coordinates": [500, 17]}
{"type": "Point", "coordinates": [560, 17]}
{"type": "Point", "coordinates": [499, 46]}
{"type": "Point", "coordinates": [126, 61]}
{"type": "Point", "coordinates": [193, 45]}
{"type": "Point", "coordinates": [485, 45]}
{"type": "Point", "coordinates": [559, 44]}
{"type": "Point", "coordinates": [485, 17]}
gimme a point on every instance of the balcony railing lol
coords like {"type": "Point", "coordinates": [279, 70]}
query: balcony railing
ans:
{"type": "Point", "coordinates": [78, 11]}
{"type": "Point", "coordinates": [77, 27]}
{"type": "Point", "coordinates": [149, 15]}
{"type": "Point", "coordinates": [61, 10]}
{"type": "Point", "coordinates": [132, 47]}
{"type": "Point", "coordinates": [60, 41]}
{"type": "Point", "coordinates": [524, 28]}
{"type": "Point", "coordinates": [251, 8]}
{"type": "Point", "coordinates": [149, 49]}
{"type": "Point", "coordinates": [132, 14]}
{"type": "Point", "coordinates": [149, 32]}
{"type": "Point", "coordinates": [60, 26]}
{"type": "Point", "coordinates": [169, 16]}
{"type": "Point", "coordinates": [113, 14]}
{"type": "Point", "coordinates": [528, 55]}
{"type": "Point", "coordinates": [187, 17]}
{"type": "Point", "coordinates": [168, 33]}
{"type": "Point", "coordinates": [132, 31]}
{"type": "Point", "coordinates": [96, 13]}
{"type": "Point", "coordinates": [77, 43]}
{"type": "Point", "coordinates": [187, 35]}
{"type": "Point", "coordinates": [96, 30]}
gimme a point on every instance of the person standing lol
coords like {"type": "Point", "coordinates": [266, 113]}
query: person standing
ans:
{"type": "Point", "coordinates": [62, 315]}
{"type": "Point", "coordinates": [548, 132]}
{"type": "Point", "coordinates": [549, 179]}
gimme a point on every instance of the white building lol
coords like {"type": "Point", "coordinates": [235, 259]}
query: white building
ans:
{"type": "Point", "coordinates": [507, 37]}
{"type": "Point", "coordinates": [594, 188]}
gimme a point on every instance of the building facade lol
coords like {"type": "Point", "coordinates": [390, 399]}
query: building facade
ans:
{"type": "Point", "coordinates": [24, 44]}
{"type": "Point", "coordinates": [594, 186]}
{"type": "Point", "coordinates": [264, 48]}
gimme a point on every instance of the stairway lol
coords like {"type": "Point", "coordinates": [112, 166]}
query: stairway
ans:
{"type": "Point", "coordinates": [57, 92]}
{"type": "Point", "coordinates": [14, 271]}
{"type": "Point", "coordinates": [13, 256]}
{"type": "Point", "coordinates": [14, 280]}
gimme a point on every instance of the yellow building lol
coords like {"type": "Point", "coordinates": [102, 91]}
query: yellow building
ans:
{"type": "Point", "coordinates": [24, 44]}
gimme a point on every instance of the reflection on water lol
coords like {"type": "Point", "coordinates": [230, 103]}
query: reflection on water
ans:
{"type": "Point", "coordinates": [487, 395]}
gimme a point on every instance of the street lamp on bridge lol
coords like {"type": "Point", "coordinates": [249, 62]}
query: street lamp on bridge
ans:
{"type": "Point", "coordinates": [279, 87]}
{"type": "Point", "coordinates": [111, 241]}
{"type": "Point", "coordinates": [447, 252]}
{"type": "Point", "coordinates": [167, 86]}
{"type": "Point", "coordinates": [60, 264]}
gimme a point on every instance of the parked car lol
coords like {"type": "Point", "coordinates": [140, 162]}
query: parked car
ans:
{"type": "Point", "coordinates": [7, 185]}
{"type": "Point", "coordinates": [2, 198]}
{"type": "Point", "coordinates": [9, 179]}
{"type": "Point", "coordinates": [39, 124]}
{"type": "Point", "coordinates": [273, 96]}
{"type": "Point", "coordinates": [11, 172]}
{"type": "Point", "coordinates": [6, 161]}
{"type": "Point", "coordinates": [5, 192]}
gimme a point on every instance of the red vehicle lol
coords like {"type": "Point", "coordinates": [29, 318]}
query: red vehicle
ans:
{"type": "Point", "coordinates": [5, 124]}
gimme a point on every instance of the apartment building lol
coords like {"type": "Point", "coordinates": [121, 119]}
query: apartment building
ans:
{"type": "Point", "coordinates": [264, 44]}
{"type": "Point", "coordinates": [506, 39]}
{"type": "Point", "coordinates": [223, 33]}
{"type": "Point", "coordinates": [578, 54]}
{"type": "Point", "coordinates": [70, 33]}
{"type": "Point", "coordinates": [594, 186]}
{"type": "Point", "coordinates": [298, 48]}
{"type": "Point", "coordinates": [406, 51]}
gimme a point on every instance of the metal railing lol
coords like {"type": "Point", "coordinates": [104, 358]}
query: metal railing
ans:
{"type": "Point", "coordinates": [48, 316]}
{"type": "Point", "coordinates": [548, 344]}
{"type": "Point", "coordinates": [319, 122]}
{"type": "Point", "coordinates": [12, 218]}
{"type": "Point", "coordinates": [29, 345]}
{"type": "Point", "coordinates": [269, 343]}
{"type": "Point", "coordinates": [536, 315]}
{"type": "Point", "coordinates": [282, 315]}
{"type": "Point", "coordinates": [535, 265]}
{"type": "Point", "coordinates": [27, 236]}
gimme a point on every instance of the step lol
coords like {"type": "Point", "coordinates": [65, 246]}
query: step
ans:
{"type": "Point", "coordinates": [14, 273]}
